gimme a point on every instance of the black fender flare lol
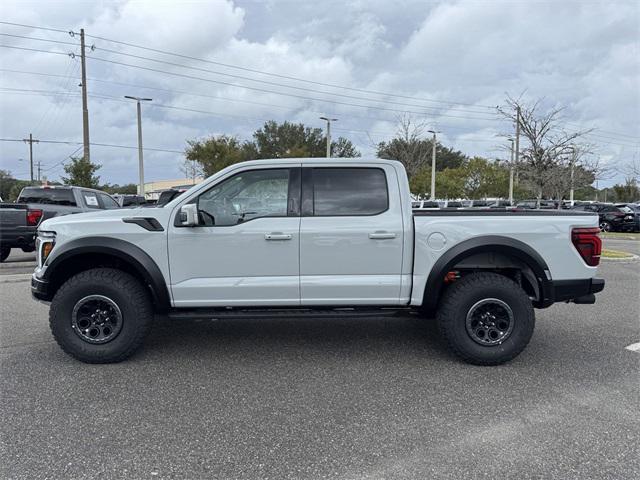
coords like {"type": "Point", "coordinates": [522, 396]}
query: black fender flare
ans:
{"type": "Point", "coordinates": [125, 251]}
{"type": "Point", "coordinates": [483, 244]}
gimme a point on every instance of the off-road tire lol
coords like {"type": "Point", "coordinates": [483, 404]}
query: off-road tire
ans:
{"type": "Point", "coordinates": [4, 253]}
{"type": "Point", "coordinates": [131, 298]}
{"type": "Point", "coordinates": [458, 300]}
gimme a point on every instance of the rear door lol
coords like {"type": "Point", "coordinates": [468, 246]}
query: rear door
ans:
{"type": "Point", "coordinates": [351, 236]}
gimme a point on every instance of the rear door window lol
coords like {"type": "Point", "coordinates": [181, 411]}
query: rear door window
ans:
{"type": "Point", "coordinates": [108, 202]}
{"type": "Point", "coordinates": [90, 199]}
{"type": "Point", "coordinates": [349, 191]}
{"type": "Point", "coordinates": [47, 196]}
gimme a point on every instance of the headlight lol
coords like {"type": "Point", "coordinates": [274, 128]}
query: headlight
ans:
{"type": "Point", "coordinates": [44, 244]}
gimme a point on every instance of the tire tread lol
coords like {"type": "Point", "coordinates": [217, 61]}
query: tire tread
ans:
{"type": "Point", "coordinates": [130, 287]}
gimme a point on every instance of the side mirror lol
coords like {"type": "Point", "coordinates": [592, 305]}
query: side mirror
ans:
{"type": "Point", "coordinates": [189, 215]}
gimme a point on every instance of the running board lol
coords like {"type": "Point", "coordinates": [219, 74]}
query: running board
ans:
{"type": "Point", "coordinates": [251, 313]}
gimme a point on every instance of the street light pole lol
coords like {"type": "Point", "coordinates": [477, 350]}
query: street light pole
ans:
{"type": "Point", "coordinates": [433, 165]}
{"type": "Point", "coordinates": [140, 158]}
{"type": "Point", "coordinates": [329, 120]}
{"type": "Point", "coordinates": [571, 166]}
{"type": "Point", "coordinates": [511, 174]}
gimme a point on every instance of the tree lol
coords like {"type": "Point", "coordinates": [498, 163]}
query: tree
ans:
{"type": "Point", "coordinates": [546, 144]}
{"type": "Point", "coordinates": [414, 151]}
{"type": "Point", "coordinates": [290, 140]}
{"type": "Point", "coordinates": [126, 189]}
{"type": "Point", "coordinates": [216, 152]}
{"type": "Point", "coordinates": [6, 183]}
{"type": "Point", "coordinates": [485, 179]}
{"type": "Point", "coordinates": [82, 173]}
{"type": "Point", "coordinates": [344, 148]}
{"type": "Point", "coordinates": [285, 140]}
{"type": "Point", "coordinates": [629, 192]}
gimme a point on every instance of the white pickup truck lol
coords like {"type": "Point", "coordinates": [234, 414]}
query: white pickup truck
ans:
{"type": "Point", "coordinates": [314, 237]}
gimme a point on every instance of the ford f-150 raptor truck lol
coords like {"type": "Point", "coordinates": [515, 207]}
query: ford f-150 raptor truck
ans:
{"type": "Point", "coordinates": [315, 237]}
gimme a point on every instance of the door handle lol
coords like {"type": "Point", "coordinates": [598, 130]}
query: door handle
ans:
{"type": "Point", "coordinates": [277, 236]}
{"type": "Point", "coordinates": [382, 235]}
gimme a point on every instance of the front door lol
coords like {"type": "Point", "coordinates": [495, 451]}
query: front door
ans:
{"type": "Point", "coordinates": [351, 236]}
{"type": "Point", "coordinates": [245, 252]}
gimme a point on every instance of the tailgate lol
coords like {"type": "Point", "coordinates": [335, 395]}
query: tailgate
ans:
{"type": "Point", "coordinates": [12, 215]}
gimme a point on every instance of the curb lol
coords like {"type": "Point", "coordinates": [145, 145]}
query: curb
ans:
{"type": "Point", "coordinates": [632, 258]}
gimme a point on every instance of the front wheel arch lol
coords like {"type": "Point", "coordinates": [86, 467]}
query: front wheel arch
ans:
{"type": "Point", "coordinates": [96, 252]}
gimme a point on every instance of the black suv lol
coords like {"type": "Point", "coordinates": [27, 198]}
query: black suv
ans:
{"type": "Point", "coordinates": [612, 217]}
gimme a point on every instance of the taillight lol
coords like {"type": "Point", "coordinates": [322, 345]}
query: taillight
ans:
{"type": "Point", "coordinates": [33, 217]}
{"type": "Point", "coordinates": [588, 244]}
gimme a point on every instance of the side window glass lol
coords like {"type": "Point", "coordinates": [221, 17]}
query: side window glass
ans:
{"type": "Point", "coordinates": [108, 202]}
{"type": "Point", "coordinates": [90, 199]}
{"type": "Point", "coordinates": [349, 191]}
{"type": "Point", "coordinates": [245, 196]}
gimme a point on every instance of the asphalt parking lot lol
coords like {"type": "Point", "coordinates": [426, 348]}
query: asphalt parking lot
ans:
{"type": "Point", "coordinates": [342, 398]}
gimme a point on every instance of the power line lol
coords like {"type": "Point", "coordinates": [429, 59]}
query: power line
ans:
{"type": "Point", "coordinates": [244, 117]}
{"type": "Point", "coordinates": [70, 142]}
{"type": "Point", "coordinates": [294, 87]}
{"type": "Point", "coordinates": [271, 105]}
{"type": "Point", "coordinates": [36, 50]}
{"type": "Point", "coordinates": [182, 75]}
{"type": "Point", "coordinates": [288, 77]}
{"type": "Point", "coordinates": [250, 69]}
{"type": "Point", "coordinates": [38, 39]}
{"type": "Point", "coordinates": [219, 82]}
{"type": "Point", "coordinates": [34, 27]}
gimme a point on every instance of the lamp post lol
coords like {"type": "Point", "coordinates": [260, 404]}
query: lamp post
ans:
{"type": "Point", "coordinates": [511, 167]}
{"type": "Point", "coordinates": [140, 159]}
{"type": "Point", "coordinates": [329, 120]}
{"type": "Point", "coordinates": [571, 167]}
{"type": "Point", "coordinates": [433, 165]}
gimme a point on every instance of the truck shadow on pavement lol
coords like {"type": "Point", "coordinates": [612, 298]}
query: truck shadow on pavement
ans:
{"type": "Point", "coordinates": [355, 336]}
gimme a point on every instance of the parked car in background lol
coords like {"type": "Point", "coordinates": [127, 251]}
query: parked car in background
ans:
{"type": "Point", "coordinates": [19, 221]}
{"type": "Point", "coordinates": [168, 195]}
{"type": "Point", "coordinates": [129, 200]}
{"type": "Point", "coordinates": [425, 205]}
{"type": "Point", "coordinates": [636, 214]}
{"type": "Point", "coordinates": [614, 218]}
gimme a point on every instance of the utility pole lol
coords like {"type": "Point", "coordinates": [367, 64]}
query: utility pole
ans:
{"type": "Point", "coordinates": [140, 159]}
{"type": "Point", "coordinates": [39, 169]}
{"type": "Point", "coordinates": [511, 174]}
{"type": "Point", "coordinates": [85, 108]}
{"type": "Point", "coordinates": [30, 141]}
{"type": "Point", "coordinates": [329, 120]}
{"type": "Point", "coordinates": [433, 165]}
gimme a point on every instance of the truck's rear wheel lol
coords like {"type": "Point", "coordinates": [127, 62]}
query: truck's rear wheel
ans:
{"type": "Point", "coordinates": [4, 253]}
{"type": "Point", "coordinates": [486, 318]}
{"type": "Point", "coordinates": [101, 315]}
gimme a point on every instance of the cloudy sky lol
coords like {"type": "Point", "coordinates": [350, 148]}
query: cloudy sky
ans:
{"type": "Point", "coordinates": [448, 63]}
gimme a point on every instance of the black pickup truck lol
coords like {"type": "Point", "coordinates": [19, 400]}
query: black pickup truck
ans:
{"type": "Point", "coordinates": [18, 225]}
{"type": "Point", "coordinates": [19, 221]}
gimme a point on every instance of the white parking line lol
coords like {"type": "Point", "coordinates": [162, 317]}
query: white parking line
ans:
{"type": "Point", "coordinates": [634, 347]}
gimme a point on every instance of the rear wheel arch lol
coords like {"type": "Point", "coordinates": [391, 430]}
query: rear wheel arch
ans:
{"type": "Point", "coordinates": [94, 252]}
{"type": "Point", "coordinates": [507, 253]}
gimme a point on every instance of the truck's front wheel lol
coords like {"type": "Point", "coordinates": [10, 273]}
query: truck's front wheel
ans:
{"type": "Point", "coordinates": [486, 318]}
{"type": "Point", "coordinates": [101, 315]}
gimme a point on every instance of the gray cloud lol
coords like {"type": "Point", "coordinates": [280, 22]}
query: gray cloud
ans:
{"type": "Point", "coordinates": [582, 55]}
